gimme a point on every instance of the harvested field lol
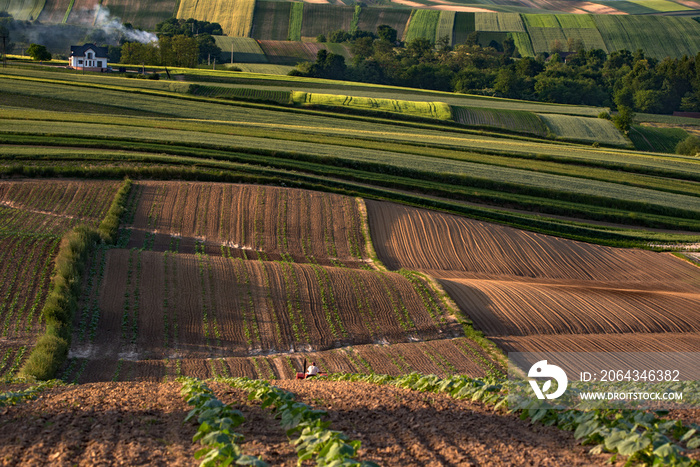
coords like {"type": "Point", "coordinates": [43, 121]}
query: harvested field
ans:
{"type": "Point", "coordinates": [649, 342]}
{"type": "Point", "coordinates": [23, 10]}
{"type": "Point", "coordinates": [234, 16]}
{"type": "Point", "coordinates": [244, 49]}
{"type": "Point", "coordinates": [584, 129]}
{"type": "Point", "coordinates": [441, 357]}
{"type": "Point", "coordinates": [196, 306]}
{"type": "Point", "coordinates": [291, 53]}
{"type": "Point", "coordinates": [419, 239]}
{"type": "Point", "coordinates": [251, 220]}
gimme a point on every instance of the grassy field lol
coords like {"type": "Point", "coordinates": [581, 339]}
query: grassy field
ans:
{"type": "Point", "coordinates": [465, 23]}
{"type": "Point", "coordinates": [244, 49]}
{"type": "Point", "coordinates": [499, 22]}
{"type": "Point", "coordinates": [589, 129]}
{"type": "Point", "coordinates": [648, 138]}
{"type": "Point", "coordinates": [296, 15]}
{"type": "Point", "coordinates": [235, 16]}
{"type": "Point", "coordinates": [503, 170]}
{"type": "Point", "coordinates": [661, 5]}
{"type": "Point", "coordinates": [509, 120]}
{"type": "Point", "coordinates": [523, 43]}
{"type": "Point", "coordinates": [423, 23]}
{"type": "Point", "coordinates": [23, 10]}
{"type": "Point", "coordinates": [658, 36]}
{"type": "Point", "coordinates": [446, 26]}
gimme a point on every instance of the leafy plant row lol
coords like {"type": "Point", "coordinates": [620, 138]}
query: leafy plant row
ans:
{"type": "Point", "coordinates": [315, 439]}
{"type": "Point", "coordinates": [642, 435]}
{"type": "Point", "coordinates": [16, 397]}
{"type": "Point", "coordinates": [216, 423]}
{"type": "Point", "coordinates": [61, 304]}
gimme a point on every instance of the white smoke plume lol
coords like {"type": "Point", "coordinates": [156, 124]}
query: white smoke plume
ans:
{"type": "Point", "coordinates": [113, 27]}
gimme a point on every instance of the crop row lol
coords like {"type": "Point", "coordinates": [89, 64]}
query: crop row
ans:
{"type": "Point", "coordinates": [315, 440]}
{"type": "Point", "coordinates": [216, 423]}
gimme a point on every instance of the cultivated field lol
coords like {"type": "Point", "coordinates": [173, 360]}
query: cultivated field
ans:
{"type": "Point", "coordinates": [34, 215]}
{"type": "Point", "coordinates": [512, 283]}
{"type": "Point", "coordinates": [241, 221]}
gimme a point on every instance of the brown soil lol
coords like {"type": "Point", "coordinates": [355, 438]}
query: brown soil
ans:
{"type": "Point", "coordinates": [402, 427]}
{"type": "Point", "coordinates": [142, 424]}
{"type": "Point", "coordinates": [198, 306]}
{"type": "Point", "coordinates": [251, 220]}
{"type": "Point", "coordinates": [514, 283]}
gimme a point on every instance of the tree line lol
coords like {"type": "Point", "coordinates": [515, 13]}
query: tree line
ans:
{"type": "Point", "coordinates": [580, 77]}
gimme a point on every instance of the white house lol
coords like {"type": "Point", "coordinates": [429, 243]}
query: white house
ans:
{"type": "Point", "coordinates": [88, 57]}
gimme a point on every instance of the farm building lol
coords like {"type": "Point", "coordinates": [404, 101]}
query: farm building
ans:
{"type": "Point", "coordinates": [88, 57]}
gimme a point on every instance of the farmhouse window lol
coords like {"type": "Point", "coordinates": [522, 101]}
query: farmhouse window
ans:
{"type": "Point", "coordinates": [80, 62]}
{"type": "Point", "coordinates": [99, 63]}
{"type": "Point", "coordinates": [89, 55]}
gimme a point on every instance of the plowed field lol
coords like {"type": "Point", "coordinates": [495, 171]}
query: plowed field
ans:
{"type": "Point", "coordinates": [142, 424]}
{"type": "Point", "coordinates": [250, 221]}
{"type": "Point", "coordinates": [34, 215]}
{"type": "Point", "coordinates": [515, 283]}
{"type": "Point", "coordinates": [442, 357]}
{"type": "Point", "coordinates": [156, 305]}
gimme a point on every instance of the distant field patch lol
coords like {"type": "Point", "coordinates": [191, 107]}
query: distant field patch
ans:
{"type": "Point", "coordinates": [53, 11]}
{"type": "Point", "coordinates": [661, 5]}
{"type": "Point", "coordinates": [245, 49]}
{"type": "Point", "coordinates": [541, 21]}
{"type": "Point", "coordinates": [465, 23]}
{"type": "Point", "coordinates": [446, 26]}
{"type": "Point", "coordinates": [437, 110]}
{"type": "Point", "coordinates": [282, 97]}
{"type": "Point", "coordinates": [291, 52]}
{"type": "Point", "coordinates": [658, 36]}
{"type": "Point", "coordinates": [576, 21]}
{"type": "Point", "coordinates": [499, 22]}
{"type": "Point", "coordinates": [144, 15]}
{"type": "Point", "coordinates": [583, 129]}
{"type": "Point", "coordinates": [648, 138]}
{"type": "Point", "coordinates": [23, 10]}
{"type": "Point", "coordinates": [264, 68]}
{"type": "Point", "coordinates": [523, 43]}
{"type": "Point", "coordinates": [423, 23]}
{"type": "Point", "coordinates": [235, 16]}
{"type": "Point", "coordinates": [322, 19]}
{"type": "Point", "coordinates": [628, 7]}
{"type": "Point", "coordinates": [512, 120]}
{"type": "Point", "coordinates": [296, 15]}
{"type": "Point", "coordinates": [271, 20]}
{"type": "Point", "coordinates": [371, 18]}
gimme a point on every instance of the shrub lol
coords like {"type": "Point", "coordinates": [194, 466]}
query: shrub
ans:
{"type": "Point", "coordinates": [689, 146]}
{"type": "Point", "coordinates": [604, 115]}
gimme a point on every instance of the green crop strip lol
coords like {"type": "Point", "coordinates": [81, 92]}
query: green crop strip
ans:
{"type": "Point", "coordinates": [216, 423]}
{"type": "Point", "coordinates": [315, 440]}
{"type": "Point", "coordinates": [295, 20]}
{"type": "Point", "coordinates": [17, 397]}
{"type": "Point", "coordinates": [68, 10]}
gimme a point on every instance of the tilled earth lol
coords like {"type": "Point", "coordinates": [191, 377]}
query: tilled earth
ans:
{"type": "Point", "coordinates": [142, 424]}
